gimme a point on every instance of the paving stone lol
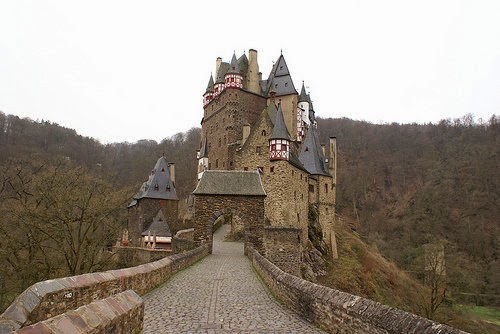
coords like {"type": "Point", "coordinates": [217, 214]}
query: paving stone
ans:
{"type": "Point", "coordinates": [220, 294]}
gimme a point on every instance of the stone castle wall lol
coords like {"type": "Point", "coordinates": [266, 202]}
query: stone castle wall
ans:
{"type": "Point", "coordinates": [50, 298]}
{"type": "Point", "coordinates": [285, 185]}
{"type": "Point", "coordinates": [223, 124]}
{"type": "Point", "coordinates": [282, 246]}
{"type": "Point", "coordinates": [337, 311]}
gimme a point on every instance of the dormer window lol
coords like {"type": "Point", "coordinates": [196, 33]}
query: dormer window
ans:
{"type": "Point", "coordinates": [157, 187]}
{"type": "Point", "coordinates": [168, 187]}
{"type": "Point", "coordinates": [163, 169]}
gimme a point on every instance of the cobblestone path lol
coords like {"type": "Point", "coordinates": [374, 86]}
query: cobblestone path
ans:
{"type": "Point", "coordinates": [220, 294]}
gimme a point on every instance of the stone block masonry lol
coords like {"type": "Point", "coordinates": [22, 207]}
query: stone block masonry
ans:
{"type": "Point", "coordinates": [283, 248]}
{"type": "Point", "coordinates": [121, 313]}
{"type": "Point", "coordinates": [44, 300]}
{"type": "Point", "coordinates": [337, 311]}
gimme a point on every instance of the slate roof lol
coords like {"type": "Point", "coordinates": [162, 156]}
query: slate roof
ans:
{"type": "Point", "coordinates": [210, 86]}
{"type": "Point", "coordinates": [158, 227]}
{"type": "Point", "coordinates": [159, 185]}
{"type": "Point", "coordinates": [234, 67]}
{"type": "Point", "coordinates": [271, 112]}
{"type": "Point", "coordinates": [311, 155]}
{"type": "Point", "coordinates": [204, 149]}
{"type": "Point", "coordinates": [303, 95]}
{"type": "Point", "coordinates": [279, 130]}
{"type": "Point", "coordinates": [223, 68]}
{"type": "Point", "coordinates": [279, 79]}
{"type": "Point", "coordinates": [240, 183]}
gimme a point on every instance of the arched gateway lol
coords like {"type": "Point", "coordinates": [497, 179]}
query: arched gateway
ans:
{"type": "Point", "coordinates": [237, 192]}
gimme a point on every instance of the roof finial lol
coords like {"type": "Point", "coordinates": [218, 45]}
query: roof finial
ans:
{"type": "Point", "coordinates": [282, 52]}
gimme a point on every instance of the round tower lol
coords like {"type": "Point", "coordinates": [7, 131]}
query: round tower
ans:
{"type": "Point", "coordinates": [233, 77]}
{"type": "Point", "coordinates": [279, 142]}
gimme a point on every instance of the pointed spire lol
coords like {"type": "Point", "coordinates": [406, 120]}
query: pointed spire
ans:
{"type": "Point", "coordinates": [234, 67]}
{"type": "Point", "coordinates": [280, 131]}
{"type": "Point", "coordinates": [303, 95]}
{"type": "Point", "coordinates": [210, 86]}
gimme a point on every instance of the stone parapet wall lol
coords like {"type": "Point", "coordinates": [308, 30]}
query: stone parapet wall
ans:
{"type": "Point", "coordinates": [183, 241]}
{"type": "Point", "coordinates": [121, 313]}
{"type": "Point", "coordinates": [134, 256]}
{"type": "Point", "coordinates": [50, 298]}
{"type": "Point", "coordinates": [337, 311]}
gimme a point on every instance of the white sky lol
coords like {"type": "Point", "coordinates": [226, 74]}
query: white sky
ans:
{"type": "Point", "coordinates": [130, 70]}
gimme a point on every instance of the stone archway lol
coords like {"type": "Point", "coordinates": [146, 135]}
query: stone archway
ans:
{"type": "Point", "coordinates": [239, 193]}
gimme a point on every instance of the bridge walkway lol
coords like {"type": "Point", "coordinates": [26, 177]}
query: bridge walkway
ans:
{"type": "Point", "coordinates": [220, 294]}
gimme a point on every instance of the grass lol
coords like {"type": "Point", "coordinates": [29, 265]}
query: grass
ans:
{"type": "Point", "coordinates": [489, 314]}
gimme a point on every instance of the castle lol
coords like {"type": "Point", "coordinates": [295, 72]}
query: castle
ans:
{"type": "Point", "coordinates": [250, 123]}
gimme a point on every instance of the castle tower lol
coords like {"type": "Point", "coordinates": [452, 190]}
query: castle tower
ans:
{"type": "Point", "coordinates": [233, 77]}
{"type": "Point", "coordinates": [209, 93]}
{"type": "Point", "coordinates": [279, 142]}
{"type": "Point", "coordinates": [280, 82]}
{"type": "Point", "coordinates": [253, 77]}
{"type": "Point", "coordinates": [157, 193]}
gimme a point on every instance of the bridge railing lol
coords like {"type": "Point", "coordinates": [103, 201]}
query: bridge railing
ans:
{"type": "Point", "coordinates": [50, 298]}
{"type": "Point", "coordinates": [338, 311]}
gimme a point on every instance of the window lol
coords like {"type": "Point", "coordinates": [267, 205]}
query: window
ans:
{"type": "Point", "coordinates": [230, 164]}
{"type": "Point", "coordinates": [157, 187]}
{"type": "Point", "coordinates": [295, 195]}
{"type": "Point", "coordinates": [257, 149]}
{"type": "Point", "coordinates": [263, 132]}
{"type": "Point", "coordinates": [217, 163]}
{"type": "Point", "coordinates": [293, 172]}
{"type": "Point", "coordinates": [261, 170]}
{"type": "Point", "coordinates": [326, 188]}
{"type": "Point", "coordinates": [245, 168]}
{"type": "Point", "coordinates": [271, 169]}
{"type": "Point", "coordinates": [168, 187]}
{"type": "Point", "coordinates": [301, 196]}
{"type": "Point", "coordinates": [311, 188]}
{"type": "Point", "coordinates": [283, 147]}
{"type": "Point", "coordinates": [273, 147]}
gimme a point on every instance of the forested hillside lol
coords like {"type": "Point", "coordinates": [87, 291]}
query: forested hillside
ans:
{"type": "Point", "coordinates": [406, 187]}
{"type": "Point", "coordinates": [403, 189]}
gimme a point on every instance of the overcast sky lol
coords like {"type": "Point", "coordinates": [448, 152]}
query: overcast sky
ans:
{"type": "Point", "coordinates": [130, 70]}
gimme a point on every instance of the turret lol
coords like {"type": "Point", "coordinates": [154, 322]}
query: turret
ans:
{"type": "Point", "coordinates": [304, 104]}
{"type": "Point", "coordinates": [279, 142]}
{"type": "Point", "coordinates": [233, 77]}
{"type": "Point", "coordinates": [209, 93]}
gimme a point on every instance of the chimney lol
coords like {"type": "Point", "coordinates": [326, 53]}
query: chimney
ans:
{"type": "Point", "coordinates": [171, 171]}
{"type": "Point", "coordinates": [217, 65]}
{"type": "Point", "coordinates": [332, 162]}
{"type": "Point", "coordinates": [246, 133]}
